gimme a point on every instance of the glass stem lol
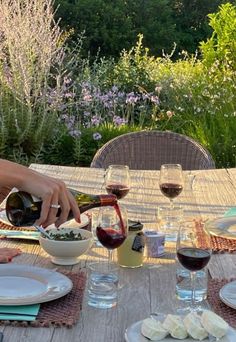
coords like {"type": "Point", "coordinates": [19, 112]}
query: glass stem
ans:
{"type": "Point", "coordinates": [171, 204]}
{"type": "Point", "coordinates": [110, 257]}
{"type": "Point", "coordinates": [193, 284]}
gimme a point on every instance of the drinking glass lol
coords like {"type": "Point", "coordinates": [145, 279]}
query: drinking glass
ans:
{"type": "Point", "coordinates": [192, 257]}
{"type": "Point", "coordinates": [112, 228]}
{"type": "Point", "coordinates": [171, 181]}
{"type": "Point", "coordinates": [117, 180]}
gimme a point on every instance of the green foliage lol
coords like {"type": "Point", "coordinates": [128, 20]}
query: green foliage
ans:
{"type": "Point", "coordinates": [221, 47]}
{"type": "Point", "coordinates": [68, 106]}
{"type": "Point", "coordinates": [111, 26]}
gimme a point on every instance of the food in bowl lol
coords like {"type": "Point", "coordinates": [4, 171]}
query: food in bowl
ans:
{"type": "Point", "coordinates": [64, 235]}
{"type": "Point", "coordinates": [64, 251]}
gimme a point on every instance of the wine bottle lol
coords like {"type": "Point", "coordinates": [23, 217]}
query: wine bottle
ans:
{"type": "Point", "coordinates": [23, 209]}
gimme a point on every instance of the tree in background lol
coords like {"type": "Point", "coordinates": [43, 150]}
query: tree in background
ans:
{"type": "Point", "coordinates": [110, 26]}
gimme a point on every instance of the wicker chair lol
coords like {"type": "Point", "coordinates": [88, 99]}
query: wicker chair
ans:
{"type": "Point", "coordinates": [148, 150]}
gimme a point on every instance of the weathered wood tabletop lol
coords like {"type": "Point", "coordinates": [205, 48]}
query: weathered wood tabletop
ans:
{"type": "Point", "coordinates": [145, 289]}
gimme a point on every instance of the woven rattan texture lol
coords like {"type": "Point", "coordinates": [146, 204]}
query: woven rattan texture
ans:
{"type": "Point", "coordinates": [62, 312]}
{"type": "Point", "coordinates": [148, 150]}
{"type": "Point", "coordinates": [219, 244]}
{"type": "Point", "coordinates": [227, 313]}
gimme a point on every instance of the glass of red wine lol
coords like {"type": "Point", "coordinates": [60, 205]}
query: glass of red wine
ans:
{"type": "Point", "coordinates": [171, 181]}
{"type": "Point", "coordinates": [112, 228]}
{"type": "Point", "coordinates": [117, 180]}
{"type": "Point", "coordinates": [192, 256]}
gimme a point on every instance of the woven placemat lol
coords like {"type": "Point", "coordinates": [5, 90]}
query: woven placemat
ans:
{"type": "Point", "coordinates": [62, 312]}
{"type": "Point", "coordinates": [219, 244]}
{"type": "Point", "coordinates": [221, 309]}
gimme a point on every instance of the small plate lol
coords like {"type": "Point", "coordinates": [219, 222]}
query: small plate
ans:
{"type": "Point", "coordinates": [133, 334]}
{"type": "Point", "coordinates": [228, 294]}
{"type": "Point", "coordinates": [224, 227]}
{"type": "Point", "coordinates": [25, 285]}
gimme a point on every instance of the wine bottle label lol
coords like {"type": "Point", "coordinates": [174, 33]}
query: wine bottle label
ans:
{"type": "Point", "coordinates": [36, 199]}
{"type": "Point", "coordinates": [138, 243]}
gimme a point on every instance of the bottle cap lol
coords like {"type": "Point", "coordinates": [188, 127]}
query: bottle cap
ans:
{"type": "Point", "coordinates": [135, 225]}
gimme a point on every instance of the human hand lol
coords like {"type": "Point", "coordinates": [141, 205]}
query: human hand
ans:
{"type": "Point", "coordinates": [51, 191]}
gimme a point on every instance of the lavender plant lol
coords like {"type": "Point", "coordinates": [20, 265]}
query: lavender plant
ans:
{"type": "Point", "coordinates": [31, 55]}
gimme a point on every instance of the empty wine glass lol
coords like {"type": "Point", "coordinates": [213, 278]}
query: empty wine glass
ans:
{"type": "Point", "coordinates": [117, 180]}
{"type": "Point", "coordinates": [192, 256]}
{"type": "Point", "coordinates": [171, 181]}
{"type": "Point", "coordinates": [112, 228]}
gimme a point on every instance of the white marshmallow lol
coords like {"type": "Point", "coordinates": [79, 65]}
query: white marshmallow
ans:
{"type": "Point", "coordinates": [175, 326]}
{"type": "Point", "coordinates": [153, 329]}
{"type": "Point", "coordinates": [214, 324]}
{"type": "Point", "coordinates": [192, 323]}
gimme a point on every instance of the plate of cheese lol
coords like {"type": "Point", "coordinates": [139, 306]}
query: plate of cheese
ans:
{"type": "Point", "coordinates": [206, 326]}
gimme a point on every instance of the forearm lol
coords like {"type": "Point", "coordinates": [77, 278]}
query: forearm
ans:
{"type": "Point", "coordinates": [12, 174]}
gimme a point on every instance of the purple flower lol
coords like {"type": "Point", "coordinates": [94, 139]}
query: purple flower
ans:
{"type": "Point", "coordinates": [131, 98]}
{"type": "Point", "coordinates": [118, 121]}
{"type": "Point", "coordinates": [95, 120]}
{"type": "Point", "coordinates": [75, 133]}
{"type": "Point", "coordinates": [155, 99]}
{"type": "Point", "coordinates": [97, 136]}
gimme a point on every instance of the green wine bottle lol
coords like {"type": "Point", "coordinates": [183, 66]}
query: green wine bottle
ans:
{"type": "Point", "coordinates": [23, 209]}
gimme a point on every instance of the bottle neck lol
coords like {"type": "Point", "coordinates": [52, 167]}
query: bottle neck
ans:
{"type": "Point", "coordinates": [107, 200]}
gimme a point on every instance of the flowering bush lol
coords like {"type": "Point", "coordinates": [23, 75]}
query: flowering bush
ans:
{"type": "Point", "coordinates": [59, 108]}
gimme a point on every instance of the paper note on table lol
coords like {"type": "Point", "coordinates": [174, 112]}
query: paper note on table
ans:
{"type": "Point", "coordinates": [230, 212]}
{"type": "Point", "coordinates": [19, 313]}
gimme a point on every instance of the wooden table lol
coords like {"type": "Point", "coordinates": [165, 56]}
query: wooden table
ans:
{"type": "Point", "coordinates": [146, 289]}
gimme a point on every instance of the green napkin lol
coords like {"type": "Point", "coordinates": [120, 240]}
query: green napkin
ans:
{"type": "Point", "coordinates": [230, 212]}
{"type": "Point", "coordinates": [19, 313]}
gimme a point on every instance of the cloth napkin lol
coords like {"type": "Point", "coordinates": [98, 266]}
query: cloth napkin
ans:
{"type": "Point", "coordinates": [230, 212]}
{"type": "Point", "coordinates": [19, 313]}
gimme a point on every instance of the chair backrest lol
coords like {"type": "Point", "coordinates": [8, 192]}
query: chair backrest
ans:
{"type": "Point", "coordinates": [148, 150]}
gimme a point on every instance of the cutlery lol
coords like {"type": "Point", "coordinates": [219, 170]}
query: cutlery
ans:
{"type": "Point", "coordinates": [43, 231]}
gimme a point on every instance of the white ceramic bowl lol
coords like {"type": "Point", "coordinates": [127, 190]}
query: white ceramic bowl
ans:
{"type": "Point", "coordinates": [66, 252]}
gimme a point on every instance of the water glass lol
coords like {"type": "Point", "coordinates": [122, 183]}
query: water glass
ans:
{"type": "Point", "coordinates": [169, 220]}
{"type": "Point", "coordinates": [103, 285]}
{"type": "Point", "coordinates": [183, 287]}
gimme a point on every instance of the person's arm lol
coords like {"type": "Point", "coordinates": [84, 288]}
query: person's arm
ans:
{"type": "Point", "coordinates": [52, 191]}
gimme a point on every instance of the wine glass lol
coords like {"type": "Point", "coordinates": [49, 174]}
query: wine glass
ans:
{"type": "Point", "coordinates": [111, 229]}
{"type": "Point", "coordinates": [171, 181]}
{"type": "Point", "coordinates": [117, 180]}
{"type": "Point", "coordinates": [192, 256]}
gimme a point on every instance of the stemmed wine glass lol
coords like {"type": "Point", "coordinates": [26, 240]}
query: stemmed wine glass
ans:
{"type": "Point", "coordinates": [171, 181]}
{"type": "Point", "coordinates": [112, 228]}
{"type": "Point", "coordinates": [192, 256]}
{"type": "Point", "coordinates": [117, 180]}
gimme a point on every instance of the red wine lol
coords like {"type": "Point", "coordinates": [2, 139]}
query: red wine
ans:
{"type": "Point", "coordinates": [119, 190]}
{"type": "Point", "coordinates": [194, 259]}
{"type": "Point", "coordinates": [171, 190]}
{"type": "Point", "coordinates": [110, 238]}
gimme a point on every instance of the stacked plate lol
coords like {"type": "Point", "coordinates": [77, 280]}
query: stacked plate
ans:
{"type": "Point", "coordinates": [228, 294]}
{"type": "Point", "coordinates": [25, 285]}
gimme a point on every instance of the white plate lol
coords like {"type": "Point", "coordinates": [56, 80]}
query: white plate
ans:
{"type": "Point", "coordinates": [133, 334]}
{"type": "Point", "coordinates": [224, 227]}
{"type": "Point", "coordinates": [25, 284]}
{"type": "Point", "coordinates": [228, 294]}
{"type": "Point", "coordinates": [20, 234]}
{"type": "Point", "coordinates": [83, 217]}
